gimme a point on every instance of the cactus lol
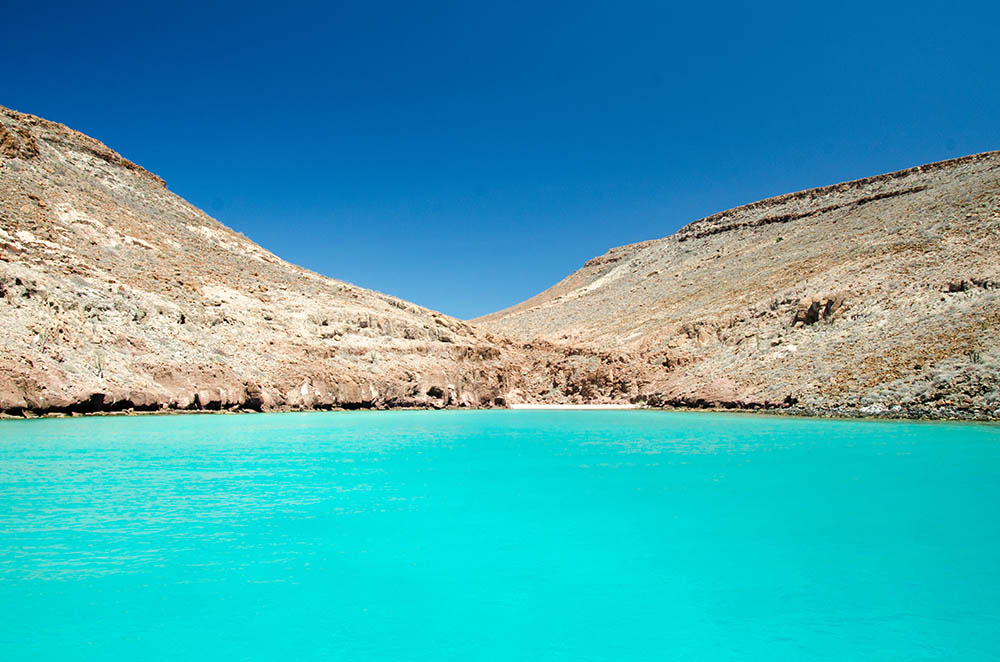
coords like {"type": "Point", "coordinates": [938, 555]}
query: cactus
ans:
{"type": "Point", "coordinates": [99, 363]}
{"type": "Point", "coordinates": [975, 357]}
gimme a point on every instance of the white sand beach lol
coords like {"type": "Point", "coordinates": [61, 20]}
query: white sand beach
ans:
{"type": "Point", "coordinates": [533, 406]}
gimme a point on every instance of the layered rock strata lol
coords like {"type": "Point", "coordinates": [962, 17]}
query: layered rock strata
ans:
{"type": "Point", "coordinates": [879, 296]}
{"type": "Point", "coordinates": [117, 295]}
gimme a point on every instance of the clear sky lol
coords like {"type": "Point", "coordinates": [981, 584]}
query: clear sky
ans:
{"type": "Point", "coordinates": [466, 156]}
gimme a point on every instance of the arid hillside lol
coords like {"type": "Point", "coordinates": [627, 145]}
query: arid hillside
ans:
{"type": "Point", "coordinates": [879, 296]}
{"type": "Point", "coordinates": [116, 294]}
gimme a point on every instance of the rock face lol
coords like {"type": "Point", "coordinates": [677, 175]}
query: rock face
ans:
{"type": "Point", "coordinates": [878, 296]}
{"type": "Point", "coordinates": [116, 294]}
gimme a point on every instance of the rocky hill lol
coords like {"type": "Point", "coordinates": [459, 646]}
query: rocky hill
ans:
{"type": "Point", "coordinates": [879, 296]}
{"type": "Point", "coordinates": [116, 294]}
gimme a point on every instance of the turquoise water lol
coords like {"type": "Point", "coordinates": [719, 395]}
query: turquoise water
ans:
{"type": "Point", "coordinates": [498, 535]}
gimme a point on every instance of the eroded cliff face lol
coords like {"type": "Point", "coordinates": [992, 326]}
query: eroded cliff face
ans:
{"type": "Point", "coordinates": [879, 296]}
{"type": "Point", "coordinates": [116, 294]}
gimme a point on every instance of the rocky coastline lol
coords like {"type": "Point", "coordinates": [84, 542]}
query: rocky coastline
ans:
{"type": "Point", "coordinates": [873, 298]}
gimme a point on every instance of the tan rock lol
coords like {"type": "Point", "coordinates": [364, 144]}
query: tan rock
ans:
{"type": "Point", "coordinates": [117, 294]}
{"type": "Point", "coordinates": [871, 290]}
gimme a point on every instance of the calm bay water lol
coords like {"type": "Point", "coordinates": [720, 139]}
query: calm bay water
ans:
{"type": "Point", "coordinates": [498, 535]}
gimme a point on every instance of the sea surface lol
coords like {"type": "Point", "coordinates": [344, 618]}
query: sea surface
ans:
{"type": "Point", "coordinates": [498, 535]}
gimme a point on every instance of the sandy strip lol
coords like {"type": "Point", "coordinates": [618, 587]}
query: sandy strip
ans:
{"type": "Point", "coordinates": [573, 406]}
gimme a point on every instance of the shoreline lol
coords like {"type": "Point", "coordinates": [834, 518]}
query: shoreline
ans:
{"type": "Point", "coordinates": [531, 407]}
{"type": "Point", "coordinates": [833, 413]}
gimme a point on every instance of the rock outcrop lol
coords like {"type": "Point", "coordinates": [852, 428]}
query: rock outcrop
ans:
{"type": "Point", "coordinates": [872, 297]}
{"type": "Point", "coordinates": [117, 295]}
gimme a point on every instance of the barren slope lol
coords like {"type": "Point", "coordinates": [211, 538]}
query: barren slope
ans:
{"type": "Point", "coordinates": [117, 294]}
{"type": "Point", "coordinates": [878, 296]}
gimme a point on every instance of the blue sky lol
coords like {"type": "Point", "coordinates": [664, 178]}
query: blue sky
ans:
{"type": "Point", "coordinates": [466, 156]}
